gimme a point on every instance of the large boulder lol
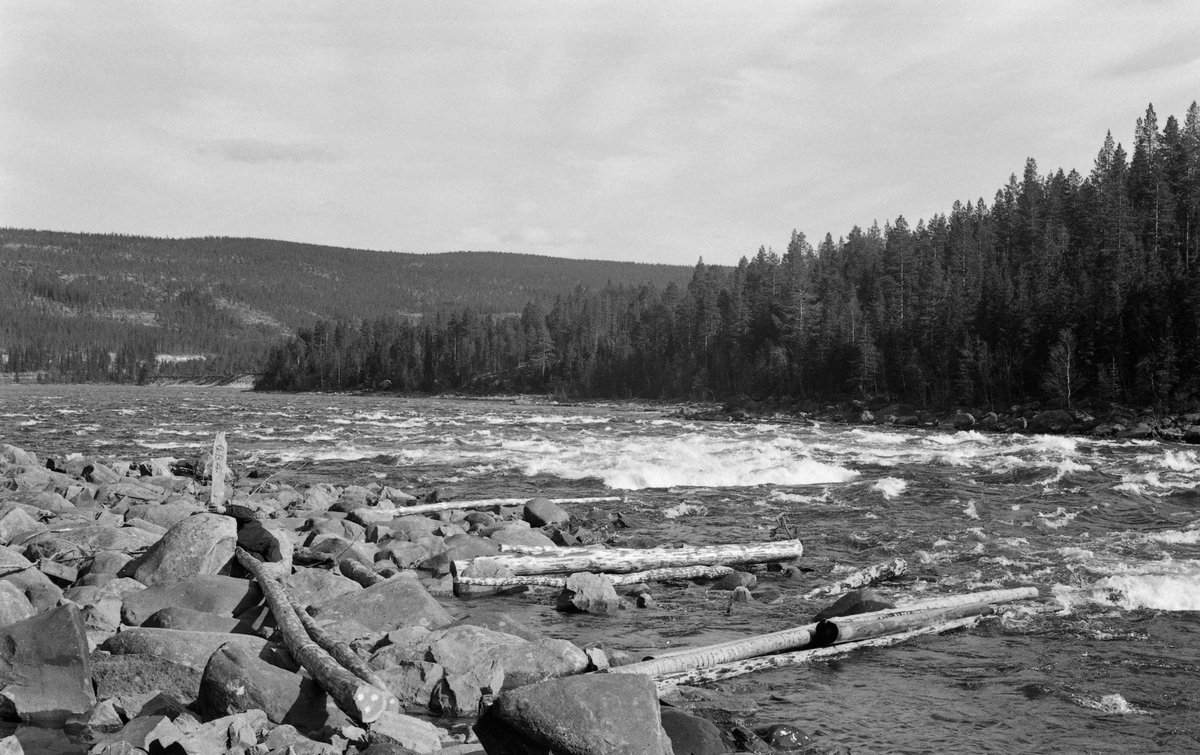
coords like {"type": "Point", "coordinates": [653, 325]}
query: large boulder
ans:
{"type": "Point", "coordinates": [212, 593]}
{"type": "Point", "coordinates": [14, 606]}
{"type": "Point", "coordinates": [163, 514]}
{"type": "Point", "coordinates": [45, 667]}
{"type": "Point", "coordinates": [692, 735]}
{"type": "Point", "coordinates": [540, 512]}
{"type": "Point", "coordinates": [605, 714]}
{"type": "Point", "coordinates": [475, 662]}
{"type": "Point", "coordinates": [235, 682]}
{"type": "Point", "coordinates": [133, 679]}
{"type": "Point", "coordinates": [19, 571]}
{"type": "Point", "coordinates": [201, 544]}
{"type": "Point", "coordinates": [397, 602]}
{"type": "Point", "coordinates": [1051, 421]}
{"type": "Point", "coordinates": [590, 593]}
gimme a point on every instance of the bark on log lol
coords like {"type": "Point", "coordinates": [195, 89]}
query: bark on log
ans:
{"type": "Point", "coordinates": [359, 699]}
{"type": "Point", "coordinates": [863, 577]}
{"type": "Point", "coordinates": [721, 653]}
{"type": "Point", "coordinates": [668, 682]}
{"type": "Point", "coordinates": [480, 503]}
{"type": "Point", "coordinates": [623, 560]}
{"type": "Point", "coordinates": [652, 575]}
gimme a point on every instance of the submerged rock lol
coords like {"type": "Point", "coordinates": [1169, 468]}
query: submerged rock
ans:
{"type": "Point", "coordinates": [590, 593]}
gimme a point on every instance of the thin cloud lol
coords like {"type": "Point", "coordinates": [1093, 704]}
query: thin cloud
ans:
{"type": "Point", "coordinates": [264, 151]}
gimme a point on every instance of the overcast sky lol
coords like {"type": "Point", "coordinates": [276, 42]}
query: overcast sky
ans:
{"type": "Point", "coordinates": [649, 131]}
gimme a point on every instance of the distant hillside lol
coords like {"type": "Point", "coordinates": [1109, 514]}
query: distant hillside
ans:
{"type": "Point", "coordinates": [102, 306]}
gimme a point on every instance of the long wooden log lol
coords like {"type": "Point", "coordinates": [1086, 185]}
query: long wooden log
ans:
{"type": "Point", "coordinates": [621, 560]}
{"type": "Point", "coordinates": [481, 503]}
{"type": "Point", "coordinates": [359, 699]}
{"type": "Point", "coordinates": [667, 682]}
{"type": "Point", "coordinates": [903, 618]}
{"type": "Point", "coordinates": [863, 577]}
{"type": "Point", "coordinates": [652, 575]}
{"type": "Point", "coordinates": [1006, 595]}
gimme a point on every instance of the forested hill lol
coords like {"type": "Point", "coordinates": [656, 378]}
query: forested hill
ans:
{"type": "Point", "coordinates": [1068, 286]}
{"type": "Point", "coordinates": [111, 307]}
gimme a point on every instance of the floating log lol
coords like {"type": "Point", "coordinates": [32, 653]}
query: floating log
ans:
{"type": "Point", "coordinates": [652, 575]}
{"type": "Point", "coordinates": [849, 628]}
{"type": "Point", "coordinates": [1007, 595]}
{"type": "Point", "coordinates": [668, 682]}
{"type": "Point", "coordinates": [364, 701]}
{"type": "Point", "coordinates": [623, 560]}
{"type": "Point", "coordinates": [863, 577]}
{"type": "Point", "coordinates": [429, 508]}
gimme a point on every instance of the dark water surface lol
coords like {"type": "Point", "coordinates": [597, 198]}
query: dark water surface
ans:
{"type": "Point", "coordinates": [1106, 661]}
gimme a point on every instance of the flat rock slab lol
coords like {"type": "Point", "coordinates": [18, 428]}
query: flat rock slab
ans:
{"type": "Point", "coordinates": [192, 648]}
{"type": "Point", "coordinates": [397, 602]}
{"type": "Point", "coordinates": [212, 593]}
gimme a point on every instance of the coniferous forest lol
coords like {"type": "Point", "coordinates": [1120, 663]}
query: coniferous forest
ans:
{"type": "Point", "coordinates": [1066, 287]}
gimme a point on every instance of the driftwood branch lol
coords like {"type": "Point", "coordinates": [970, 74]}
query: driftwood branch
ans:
{"type": "Point", "coordinates": [365, 702]}
{"type": "Point", "coordinates": [620, 560]}
{"type": "Point", "coordinates": [359, 573]}
{"type": "Point", "coordinates": [481, 503]}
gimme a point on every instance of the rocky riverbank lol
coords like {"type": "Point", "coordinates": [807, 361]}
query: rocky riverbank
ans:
{"type": "Point", "coordinates": [1111, 422]}
{"type": "Point", "coordinates": [127, 621]}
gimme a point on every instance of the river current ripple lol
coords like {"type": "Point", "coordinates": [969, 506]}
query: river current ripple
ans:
{"type": "Point", "coordinates": [1108, 660]}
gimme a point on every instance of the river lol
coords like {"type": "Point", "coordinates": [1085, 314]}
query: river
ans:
{"type": "Point", "coordinates": [1107, 660]}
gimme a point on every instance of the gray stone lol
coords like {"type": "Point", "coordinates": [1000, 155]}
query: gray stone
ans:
{"type": "Point", "coordinates": [396, 602]}
{"type": "Point", "coordinates": [45, 669]}
{"type": "Point", "coordinates": [225, 596]}
{"type": "Point", "coordinates": [163, 514]}
{"type": "Point", "coordinates": [192, 648]}
{"type": "Point", "coordinates": [525, 537]}
{"type": "Point", "coordinates": [316, 586]}
{"type": "Point", "coordinates": [735, 580]}
{"type": "Point", "coordinates": [692, 735]}
{"type": "Point", "coordinates": [852, 603]}
{"type": "Point", "coordinates": [235, 682]}
{"type": "Point", "coordinates": [14, 606]}
{"type": "Point", "coordinates": [42, 593]}
{"type": "Point", "coordinates": [133, 679]}
{"type": "Point", "coordinates": [202, 544]}
{"type": "Point", "coordinates": [540, 512]}
{"type": "Point", "coordinates": [590, 593]}
{"type": "Point", "coordinates": [596, 714]}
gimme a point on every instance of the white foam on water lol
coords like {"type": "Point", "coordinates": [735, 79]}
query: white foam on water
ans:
{"type": "Point", "coordinates": [779, 495]}
{"type": "Point", "coordinates": [1181, 461]}
{"type": "Point", "coordinates": [1113, 704]}
{"type": "Point", "coordinates": [1065, 467]}
{"type": "Point", "coordinates": [1054, 444]}
{"type": "Point", "coordinates": [871, 436]}
{"type": "Point", "coordinates": [970, 511]}
{"type": "Point", "coordinates": [1175, 537]}
{"type": "Point", "coordinates": [683, 509]}
{"type": "Point", "coordinates": [1058, 518]}
{"type": "Point", "coordinates": [692, 460]}
{"type": "Point", "coordinates": [890, 487]}
{"type": "Point", "coordinates": [1164, 585]}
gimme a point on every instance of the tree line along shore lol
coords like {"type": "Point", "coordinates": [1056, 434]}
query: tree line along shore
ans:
{"type": "Point", "coordinates": [1068, 288]}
